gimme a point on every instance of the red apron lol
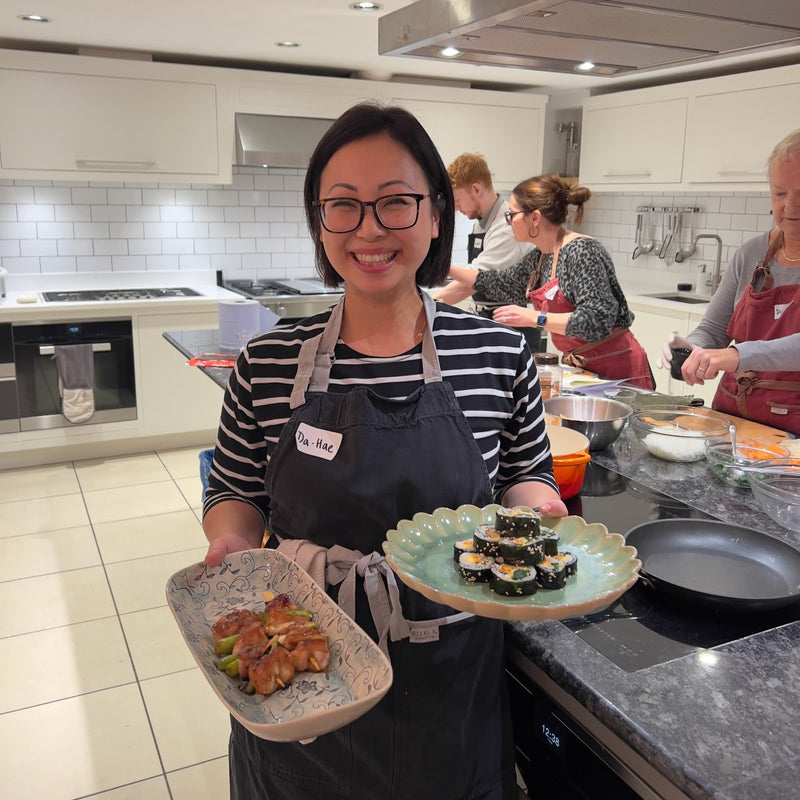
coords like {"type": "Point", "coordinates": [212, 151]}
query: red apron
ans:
{"type": "Point", "coordinates": [616, 356]}
{"type": "Point", "coordinates": [771, 397]}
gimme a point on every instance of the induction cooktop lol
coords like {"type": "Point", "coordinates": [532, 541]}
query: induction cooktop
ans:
{"type": "Point", "coordinates": [643, 627]}
{"type": "Point", "coordinates": [92, 295]}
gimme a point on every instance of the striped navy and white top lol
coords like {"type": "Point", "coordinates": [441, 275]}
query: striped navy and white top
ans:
{"type": "Point", "coordinates": [488, 366]}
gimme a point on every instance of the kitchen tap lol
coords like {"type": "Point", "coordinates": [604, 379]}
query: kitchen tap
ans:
{"type": "Point", "coordinates": [712, 282]}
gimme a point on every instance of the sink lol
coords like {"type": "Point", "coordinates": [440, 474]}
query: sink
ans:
{"type": "Point", "coordinates": [678, 297]}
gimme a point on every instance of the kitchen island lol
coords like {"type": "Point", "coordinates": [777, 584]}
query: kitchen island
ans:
{"type": "Point", "coordinates": [719, 722]}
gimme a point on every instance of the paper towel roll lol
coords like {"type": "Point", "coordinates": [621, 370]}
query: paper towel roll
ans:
{"type": "Point", "coordinates": [239, 321]}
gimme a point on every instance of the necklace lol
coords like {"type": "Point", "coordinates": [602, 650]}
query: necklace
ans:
{"type": "Point", "coordinates": [788, 258]}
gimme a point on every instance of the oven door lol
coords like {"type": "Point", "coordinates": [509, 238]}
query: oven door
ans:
{"type": "Point", "coordinates": [9, 411]}
{"type": "Point", "coordinates": [37, 377]}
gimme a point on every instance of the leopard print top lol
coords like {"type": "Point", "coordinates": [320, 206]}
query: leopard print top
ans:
{"type": "Point", "coordinates": [586, 275]}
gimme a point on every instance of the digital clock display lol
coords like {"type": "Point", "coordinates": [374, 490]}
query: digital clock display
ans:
{"type": "Point", "coordinates": [551, 732]}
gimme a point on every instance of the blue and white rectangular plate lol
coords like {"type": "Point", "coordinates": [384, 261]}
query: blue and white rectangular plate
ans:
{"type": "Point", "coordinates": [359, 674]}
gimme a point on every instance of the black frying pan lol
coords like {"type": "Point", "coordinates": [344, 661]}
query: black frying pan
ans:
{"type": "Point", "coordinates": [717, 563]}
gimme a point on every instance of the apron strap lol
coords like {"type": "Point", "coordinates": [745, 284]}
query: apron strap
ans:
{"type": "Point", "coordinates": [316, 355]}
{"type": "Point", "coordinates": [340, 565]}
{"type": "Point", "coordinates": [579, 357]}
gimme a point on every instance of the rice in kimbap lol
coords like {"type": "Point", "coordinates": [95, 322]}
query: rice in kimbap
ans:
{"type": "Point", "coordinates": [513, 581]}
{"type": "Point", "coordinates": [551, 573]}
{"type": "Point", "coordinates": [518, 521]}
{"type": "Point", "coordinates": [475, 567]}
{"type": "Point", "coordinates": [569, 560]}
{"type": "Point", "coordinates": [463, 546]}
{"type": "Point", "coordinates": [487, 540]}
{"type": "Point", "coordinates": [527, 550]}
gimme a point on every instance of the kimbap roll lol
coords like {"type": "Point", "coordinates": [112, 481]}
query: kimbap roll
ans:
{"type": "Point", "coordinates": [569, 560]}
{"type": "Point", "coordinates": [518, 521]}
{"type": "Point", "coordinates": [527, 550]}
{"type": "Point", "coordinates": [551, 573]}
{"type": "Point", "coordinates": [463, 546]}
{"type": "Point", "coordinates": [549, 539]}
{"type": "Point", "coordinates": [475, 567]}
{"type": "Point", "coordinates": [487, 540]}
{"type": "Point", "coordinates": [513, 581]}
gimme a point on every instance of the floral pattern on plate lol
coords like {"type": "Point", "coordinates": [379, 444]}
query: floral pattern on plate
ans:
{"type": "Point", "coordinates": [312, 704]}
{"type": "Point", "coordinates": [420, 551]}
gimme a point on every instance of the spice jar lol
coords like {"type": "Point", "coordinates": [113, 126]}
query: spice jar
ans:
{"type": "Point", "coordinates": [550, 374]}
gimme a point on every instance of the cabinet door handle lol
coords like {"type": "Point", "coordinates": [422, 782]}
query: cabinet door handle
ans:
{"type": "Point", "coordinates": [122, 166]}
{"type": "Point", "coordinates": [759, 172]}
{"type": "Point", "coordinates": [645, 174]}
{"type": "Point", "coordinates": [97, 347]}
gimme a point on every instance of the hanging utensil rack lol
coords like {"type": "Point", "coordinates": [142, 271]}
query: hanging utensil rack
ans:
{"type": "Point", "coordinates": [672, 225]}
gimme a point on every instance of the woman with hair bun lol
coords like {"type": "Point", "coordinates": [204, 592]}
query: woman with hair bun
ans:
{"type": "Point", "coordinates": [569, 282]}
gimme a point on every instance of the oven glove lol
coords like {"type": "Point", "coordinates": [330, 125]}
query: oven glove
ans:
{"type": "Point", "coordinates": [75, 366]}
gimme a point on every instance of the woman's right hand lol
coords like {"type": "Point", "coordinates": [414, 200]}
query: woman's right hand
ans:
{"type": "Point", "coordinates": [231, 527]}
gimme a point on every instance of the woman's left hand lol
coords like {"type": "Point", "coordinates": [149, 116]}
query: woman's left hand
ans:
{"type": "Point", "coordinates": [536, 494]}
{"type": "Point", "coordinates": [515, 316]}
{"type": "Point", "coordinates": [553, 508]}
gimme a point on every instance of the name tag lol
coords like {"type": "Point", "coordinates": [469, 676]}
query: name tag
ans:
{"type": "Point", "coordinates": [551, 292]}
{"type": "Point", "coordinates": [424, 633]}
{"type": "Point", "coordinates": [317, 442]}
{"type": "Point", "coordinates": [779, 309]}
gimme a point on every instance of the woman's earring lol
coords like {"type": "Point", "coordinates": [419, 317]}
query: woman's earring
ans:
{"type": "Point", "coordinates": [533, 233]}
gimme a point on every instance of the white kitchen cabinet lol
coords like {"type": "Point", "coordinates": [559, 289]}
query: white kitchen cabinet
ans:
{"type": "Point", "coordinates": [174, 398]}
{"type": "Point", "coordinates": [732, 133]}
{"type": "Point", "coordinates": [509, 136]}
{"type": "Point", "coordinates": [62, 120]}
{"type": "Point", "coordinates": [633, 140]}
{"type": "Point", "coordinates": [652, 327]}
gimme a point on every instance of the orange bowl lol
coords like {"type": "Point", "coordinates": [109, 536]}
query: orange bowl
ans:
{"type": "Point", "coordinates": [569, 472]}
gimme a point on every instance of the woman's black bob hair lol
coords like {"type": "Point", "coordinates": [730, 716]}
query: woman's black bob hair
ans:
{"type": "Point", "coordinates": [370, 119]}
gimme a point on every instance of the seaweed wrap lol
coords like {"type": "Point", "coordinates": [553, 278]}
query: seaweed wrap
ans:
{"type": "Point", "coordinates": [475, 567]}
{"type": "Point", "coordinates": [487, 540]}
{"type": "Point", "coordinates": [551, 573]}
{"type": "Point", "coordinates": [518, 521]}
{"type": "Point", "coordinates": [463, 546]}
{"type": "Point", "coordinates": [569, 560]}
{"type": "Point", "coordinates": [513, 581]}
{"type": "Point", "coordinates": [527, 550]}
{"type": "Point", "coordinates": [549, 539]}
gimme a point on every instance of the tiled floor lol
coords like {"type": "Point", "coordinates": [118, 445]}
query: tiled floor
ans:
{"type": "Point", "coordinates": [99, 696]}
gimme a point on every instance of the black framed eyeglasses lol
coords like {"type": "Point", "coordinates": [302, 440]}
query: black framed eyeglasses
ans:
{"type": "Point", "coordinates": [509, 215]}
{"type": "Point", "coordinates": [395, 212]}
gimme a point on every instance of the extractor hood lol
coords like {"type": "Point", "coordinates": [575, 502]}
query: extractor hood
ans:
{"type": "Point", "coordinates": [265, 140]}
{"type": "Point", "coordinates": [620, 37]}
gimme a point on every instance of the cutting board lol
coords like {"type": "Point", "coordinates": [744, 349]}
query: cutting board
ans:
{"type": "Point", "coordinates": [748, 429]}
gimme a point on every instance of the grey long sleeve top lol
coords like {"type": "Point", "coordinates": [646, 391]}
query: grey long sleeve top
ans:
{"type": "Point", "coordinates": [712, 332]}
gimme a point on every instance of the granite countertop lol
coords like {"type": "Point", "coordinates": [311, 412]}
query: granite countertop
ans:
{"type": "Point", "coordinates": [718, 724]}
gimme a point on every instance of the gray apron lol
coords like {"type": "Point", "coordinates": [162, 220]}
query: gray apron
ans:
{"type": "Point", "coordinates": [442, 731]}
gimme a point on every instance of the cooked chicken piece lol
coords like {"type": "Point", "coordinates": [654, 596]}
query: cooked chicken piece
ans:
{"type": "Point", "coordinates": [250, 646]}
{"type": "Point", "coordinates": [272, 672]}
{"type": "Point", "coordinates": [281, 613]}
{"type": "Point", "coordinates": [311, 654]}
{"type": "Point", "coordinates": [232, 623]}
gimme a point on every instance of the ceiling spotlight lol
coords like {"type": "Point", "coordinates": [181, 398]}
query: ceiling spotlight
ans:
{"type": "Point", "coordinates": [366, 6]}
{"type": "Point", "coordinates": [449, 52]}
{"type": "Point", "coordinates": [33, 18]}
{"type": "Point", "coordinates": [287, 44]}
{"type": "Point", "coordinates": [543, 14]}
{"type": "Point", "coordinates": [585, 66]}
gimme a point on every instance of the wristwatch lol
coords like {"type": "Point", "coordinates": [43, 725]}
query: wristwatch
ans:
{"type": "Point", "coordinates": [541, 320]}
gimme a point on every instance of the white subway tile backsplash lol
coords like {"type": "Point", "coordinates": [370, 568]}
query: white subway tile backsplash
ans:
{"type": "Point", "coordinates": [256, 226]}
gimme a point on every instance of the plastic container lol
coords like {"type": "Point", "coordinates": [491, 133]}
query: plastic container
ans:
{"type": "Point", "coordinates": [551, 375]}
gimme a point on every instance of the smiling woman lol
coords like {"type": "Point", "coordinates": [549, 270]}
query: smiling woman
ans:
{"type": "Point", "coordinates": [334, 429]}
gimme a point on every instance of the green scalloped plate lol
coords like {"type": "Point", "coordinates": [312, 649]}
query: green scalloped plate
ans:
{"type": "Point", "coordinates": [420, 551]}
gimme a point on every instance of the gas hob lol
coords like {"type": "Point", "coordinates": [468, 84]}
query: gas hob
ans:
{"type": "Point", "coordinates": [92, 295]}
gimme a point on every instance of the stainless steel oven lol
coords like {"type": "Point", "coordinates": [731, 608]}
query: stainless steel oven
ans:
{"type": "Point", "coordinates": [37, 376]}
{"type": "Point", "coordinates": [9, 412]}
